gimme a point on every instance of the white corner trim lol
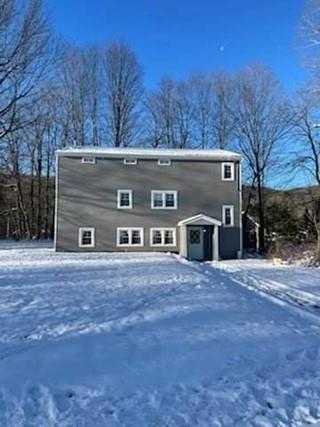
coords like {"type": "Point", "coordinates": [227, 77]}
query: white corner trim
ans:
{"type": "Point", "coordinates": [224, 208]}
{"type": "Point", "coordinates": [130, 229]}
{"type": "Point", "coordinates": [164, 192]}
{"type": "Point", "coordinates": [83, 229]}
{"type": "Point", "coordinates": [119, 192]}
{"type": "Point", "coordinates": [240, 209]}
{"type": "Point", "coordinates": [163, 230]}
{"type": "Point", "coordinates": [55, 231]}
{"type": "Point", "coordinates": [223, 164]}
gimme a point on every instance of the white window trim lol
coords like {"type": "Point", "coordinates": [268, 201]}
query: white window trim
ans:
{"type": "Point", "coordinates": [163, 230]}
{"type": "Point", "coordinates": [121, 245]}
{"type": "Point", "coordinates": [119, 199]}
{"type": "Point", "coordinates": [232, 171]}
{"type": "Point", "coordinates": [164, 162]}
{"type": "Point", "coordinates": [164, 192]}
{"type": "Point", "coordinates": [130, 161]}
{"type": "Point", "coordinates": [224, 208]}
{"type": "Point", "coordinates": [81, 230]}
{"type": "Point", "coordinates": [88, 160]}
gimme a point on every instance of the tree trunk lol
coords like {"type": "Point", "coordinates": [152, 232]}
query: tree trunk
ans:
{"type": "Point", "coordinates": [261, 216]}
{"type": "Point", "coordinates": [39, 213]}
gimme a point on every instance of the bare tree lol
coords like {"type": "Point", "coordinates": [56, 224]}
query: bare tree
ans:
{"type": "Point", "coordinates": [170, 114]}
{"type": "Point", "coordinates": [25, 39]}
{"type": "Point", "coordinates": [222, 121]}
{"type": "Point", "coordinates": [309, 34]}
{"type": "Point", "coordinates": [124, 91]}
{"type": "Point", "coordinates": [93, 66]}
{"type": "Point", "coordinates": [262, 122]}
{"type": "Point", "coordinates": [307, 154]}
{"type": "Point", "coordinates": [80, 95]}
{"type": "Point", "coordinates": [160, 114]}
{"type": "Point", "coordinates": [154, 132]}
{"type": "Point", "coordinates": [183, 111]}
{"type": "Point", "coordinates": [201, 91]}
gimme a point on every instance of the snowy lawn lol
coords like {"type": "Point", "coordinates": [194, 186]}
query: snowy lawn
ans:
{"type": "Point", "coordinates": [150, 340]}
{"type": "Point", "coordinates": [297, 285]}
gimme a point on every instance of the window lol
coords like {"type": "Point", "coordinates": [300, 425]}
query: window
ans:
{"type": "Point", "coordinates": [164, 199]}
{"type": "Point", "coordinates": [124, 199]}
{"type": "Point", "coordinates": [162, 237]}
{"type": "Point", "coordinates": [88, 160]}
{"type": "Point", "coordinates": [130, 161]}
{"type": "Point", "coordinates": [227, 216]}
{"type": "Point", "coordinates": [164, 162]}
{"type": "Point", "coordinates": [86, 237]}
{"type": "Point", "coordinates": [129, 236]}
{"type": "Point", "coordinates": [227, 173]}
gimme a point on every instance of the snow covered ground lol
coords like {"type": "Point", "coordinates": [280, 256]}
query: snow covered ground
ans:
{"type": "Point", "coordinates": [297, 285]}
{"type": "Point", "coordinates": [152, 340]}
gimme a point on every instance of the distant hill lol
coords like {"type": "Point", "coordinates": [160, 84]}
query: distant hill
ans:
{"type": "Point", "coordinates": [295, 199]}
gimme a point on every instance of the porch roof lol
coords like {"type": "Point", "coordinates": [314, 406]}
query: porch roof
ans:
{"type": "Point", "coordinates": [200, 219]}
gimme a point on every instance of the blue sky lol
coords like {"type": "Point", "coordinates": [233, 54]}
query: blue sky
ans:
{"type": "Point", "coordinates": [179, 37]}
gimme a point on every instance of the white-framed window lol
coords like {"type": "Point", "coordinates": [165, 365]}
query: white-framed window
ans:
{"type": "Point", "coordinates": [227, 171]}
{"type": "Point", "coordinates": [130, 161]}
{"type": "Point", "coordinates": [86, 237]}
{"type": "Point", "coordinates": [88, 160]}
{"type": "Point", "coordinates": [164, 162]}
{"type": "Point", "coordinates": [124, 199]}
{"type": "Point", "coordinates": [228, 215]}
{"type": "Point", "coordinates": [164, 199]}
{"type": "Point", "coordinates": [163, 236]}
{"type": "Point", "coordinates": [129, 236]}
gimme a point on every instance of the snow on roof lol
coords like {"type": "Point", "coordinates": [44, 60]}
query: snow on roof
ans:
{"type": "Point", "coordinates": [151, 153]}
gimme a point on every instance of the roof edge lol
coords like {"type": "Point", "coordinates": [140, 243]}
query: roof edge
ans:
{"type": "Point", "coordinates": [145, 153]}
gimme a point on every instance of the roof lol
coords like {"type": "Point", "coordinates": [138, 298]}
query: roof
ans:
{"type": "Point", "coordinates": [200, 219]}
{"type": "Point", "coordinates": [150, 153]}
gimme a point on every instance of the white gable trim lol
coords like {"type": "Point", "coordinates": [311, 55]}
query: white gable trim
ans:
{"type": "Point", "coordinates": [199, 219]}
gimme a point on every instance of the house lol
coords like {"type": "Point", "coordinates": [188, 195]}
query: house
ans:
{"type": "Point", "coordinates": [121, 199]}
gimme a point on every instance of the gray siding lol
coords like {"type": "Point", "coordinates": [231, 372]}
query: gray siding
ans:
{"type": "Point", "coordinates": [87, 197]}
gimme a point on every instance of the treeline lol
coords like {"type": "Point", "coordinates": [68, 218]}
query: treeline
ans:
{"type": "Point", "coordinates": [54, 94]}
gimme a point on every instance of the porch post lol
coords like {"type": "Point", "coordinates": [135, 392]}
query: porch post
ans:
{"type": "Point", "coordinates": [215, 243]}
{"type": "Point", "coordinates": [183, 251]}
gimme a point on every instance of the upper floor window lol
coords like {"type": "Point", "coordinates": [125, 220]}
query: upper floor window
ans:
{"type": "Point", "coordinates": [227, 171]}
{"type": "Point", "coordinates": [88, 160]}
{"type": "Point", "coordinates": [124, 199]}
{"type": "Point", "coordinates": [164, 162]}
{"type": "Point", "coordinates": [164, 199]}
{"type": "Point", "coordinates": [130, 161]}
{"type": "Point", "coordinates": [129, 236]}
{"type": "Point", "coordinates": [227, 215]}
{"type": "Point", "coordinates": [86, 237]}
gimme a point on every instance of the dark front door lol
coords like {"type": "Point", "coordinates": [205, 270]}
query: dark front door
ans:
{"type": "Point", "coordinates": [195, 243]}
